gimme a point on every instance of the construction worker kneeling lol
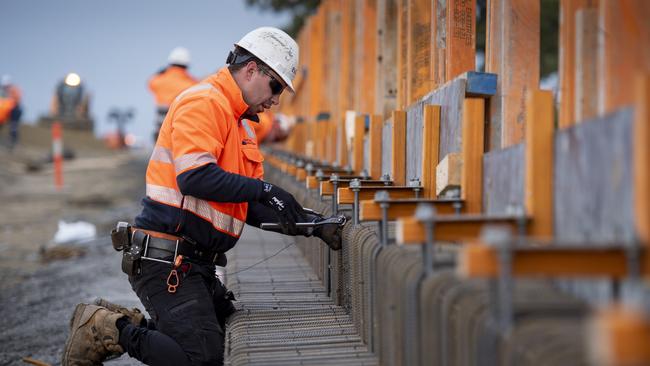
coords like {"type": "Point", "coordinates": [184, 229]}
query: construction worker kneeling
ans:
{"type": "Point", "coordinates": [203, 183]}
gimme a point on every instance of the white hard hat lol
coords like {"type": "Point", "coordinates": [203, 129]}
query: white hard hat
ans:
{"type": "Point", "coordinates": [275, 48]}
{"type": "Point", "coordinates": [5, 80]}
{"type": "Point", "coordinates": [179, 56]}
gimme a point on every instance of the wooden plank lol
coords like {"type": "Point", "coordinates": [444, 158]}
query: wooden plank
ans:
{"type": "Point", "coordinates": [301, 174]}
{"type": "Point", "coordinates": [311, 182]}
{"type": "Point", "coordinates": [448, 173]}
{"type": "Point", "coordinates": [430, 148]}
{"type": "Point", "coordinates": [480, 84]}
{"type": "Point", "coordinates": [567, 55]}
{"type": "Point", "coordinates": [472, 154]}
{"type": "Point", "coordinates": [478, 260]}
{"type": "Point", "coordinates": [461, 37]}
{"type": "Point", "coordinates": [420, 80]}
{"type": "Point", "coordinates": [538, 194]}
{"type": "Point", "coordinates": [503, 180]}
{"type": "Point", "coordinates": [619, 335]}
{"type": "Point", "coordinates": [586, 83]}
{"type": "Point", "coordinates": [346, 76]}
{"type": "Point", "coordinates": [398, 141]}
{"type": "Point", "coordinates": [357, 144]}
{"type": "Point", "coordinates": [386, 80]}
{"type": "Point", "coordinates": [375, 134]}
{"type": "Point", "coordinates": [346, 195]}
{"type": "Point", "coordinates": [625, 34]}
{"type": "Point", "coordinates": [402, 53]}
{"type": "Point", "coordinates": [316, 67]}
{"type": "Point", "coordinates": [512, 52]}
{"type": "Point", "coordinates": [448, 228]}
{"type": "Point", "coordinates": [371, 210]}
{"type": "Point", "coordinates": [368, 58]}
{"type": "Point", "coordinates": [642, 159]}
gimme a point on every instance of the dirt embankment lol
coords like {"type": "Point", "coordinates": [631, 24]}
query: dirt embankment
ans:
{"type": "Point", "coordinates": [100, 187]}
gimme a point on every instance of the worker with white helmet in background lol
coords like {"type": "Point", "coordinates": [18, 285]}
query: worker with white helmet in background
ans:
{"type": "Point", "coordinates": [169, 82]}
{"type": "Point", "coordinates": [203, 183]}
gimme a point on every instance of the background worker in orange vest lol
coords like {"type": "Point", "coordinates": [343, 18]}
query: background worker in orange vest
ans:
{"type": "Point", "coordinates": [10, 108]}
{"type": "Point", "coordinates": [203, 183]}
{"type": "Point", "coordinates": [169, 82]}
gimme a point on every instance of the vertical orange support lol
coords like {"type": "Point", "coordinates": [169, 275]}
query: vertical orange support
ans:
{"type": "Point", "coordinates": [642, 158]}
{"type": "Point", "coordinates": [430, 149]}
{"type": "Point", "coordinates": [567, 53]}
{"type": "Point", "coordinates": [386, 82]}
{"type": "Point", "coordinates": [57, 154]}
{"type": "Point", "coordinates": [398, 145]}
{"type": "Point", "coordinates": [346, 76]}
{"type": "Point", "coordinates": [357, 144]}
{"type": "Point", "coordinates": [316, 64]}
{"type": "Point", "coordinates": [472, 153]}
{"type": "Point", "coordinates": [375, 137]}
{"type": "Point", "coordinates": [419, 49]}
{"type": "Point", "coordinates": [461, 37]}
{"type": "Point", "coordinates": [512, 52]}
{"type": "Point", "coordinates": [586, 73]}
{"type": "Point", "coordinates": [625, 36]}
{"type": "Point", "coordinates": [402, 53]}
{"type": "Point", "coordinates": [539, 162]}
{"type": "Point", "coordinates": [368, 57]}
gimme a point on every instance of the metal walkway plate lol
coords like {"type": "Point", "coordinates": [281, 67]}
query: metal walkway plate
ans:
{"type": "Point", "coordinates": [285, 316]}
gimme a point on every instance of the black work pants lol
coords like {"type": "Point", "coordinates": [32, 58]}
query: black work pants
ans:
{"type": "Point", "coordinates": [188, 323]}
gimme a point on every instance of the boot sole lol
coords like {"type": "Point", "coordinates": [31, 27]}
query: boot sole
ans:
{"type": "Point", "coordinates": [74, 325]}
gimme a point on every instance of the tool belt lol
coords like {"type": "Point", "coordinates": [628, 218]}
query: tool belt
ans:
{"type": "Point", "coordinates": [140, 244]}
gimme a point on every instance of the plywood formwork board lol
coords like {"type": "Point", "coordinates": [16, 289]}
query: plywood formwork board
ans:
{"type": "Point", "coordinates": [539, 162]}
{"type": "Point", "coordinates": [439, 42]}
{"type": "Point", "coordinates": [368, 57]}
{"type": "Point", "coordinates": [472, 154]}
{"type": "Point", "coordinates": [642, 159]}
{"type": "Point", "coordinates": [341, 142]}
{"type": "Point", "coordinates": [357, 147]}
{"type": "Point", "coordinates": [333, 69]}
{"type": "Point", "coordinates": [316, 63]}
{"type": "Point", "coordinates": [503, 180]}
{"type": "Point", "coordinates": [624, 40]}
{"type": "Point", "coordinates": [568, 56]}
{"type": "Point", "coordinates": [461, 37]}
{"type": "Point", "coordinates": [346, 75]}
{"type": "Point", "coordinates": [386, 80]}
{"type": "Point", "coordinates": [592, 180]}
{"type": "Point", "coordinates": [402, 53]}
{"type": "Point", "coordinates": [512, 52]}
{"type": "Point", "coordinates": [430, 149]}
{"type": "Point", "coordinates": [398, 143]}
{"type": "Point", "coordinates": [420, 80]}
{"type": "Point", "coordinates": [375, 135]}
{"type": "Point", "coordinates": [387, 148]}
{"type": "Point", "coordinates": [586, 73]}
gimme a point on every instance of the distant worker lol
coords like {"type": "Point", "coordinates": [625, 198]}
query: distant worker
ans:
{"type": "Point", "coordinates": [203, 183]}
{"type": "Point", "coordinates": [169, 82]}
{"type": "Point", "coordinates": [10, 108]}
{"type": "Point", "coordinates": [70, 101]}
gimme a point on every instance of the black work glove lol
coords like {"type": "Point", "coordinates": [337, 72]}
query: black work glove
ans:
{"type": "Point", "coordinates": [283, 203]}
{"type": "Point", "coordinates": [329, 233]}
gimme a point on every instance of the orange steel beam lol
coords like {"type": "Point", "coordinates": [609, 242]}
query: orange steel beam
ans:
{"type": "Point", "coordinates": [642, 159]}
{"type": "Point", "coordinates": [346, 195]}
{"type": "Point", "coordinates": [370, 210]}
{"type": "Point", "coordinates": [375, 137]}
{"type": "Point", "coordinates": [480, 260]}
{"type": "Point", "coordinates": [410, 230]}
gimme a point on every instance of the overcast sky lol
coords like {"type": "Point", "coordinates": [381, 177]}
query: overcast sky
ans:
{"type": "Point", "coordinates": [115, 46]}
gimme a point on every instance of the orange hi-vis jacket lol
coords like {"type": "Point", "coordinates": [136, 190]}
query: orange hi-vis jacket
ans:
{"type": "Point", "coordinates": [205, 167]}
{"type": "Point", "coordinates": [167, 84]}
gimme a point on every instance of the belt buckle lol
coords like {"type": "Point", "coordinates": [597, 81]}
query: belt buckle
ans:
{"type": "Point", "coordinates": [146, 250]}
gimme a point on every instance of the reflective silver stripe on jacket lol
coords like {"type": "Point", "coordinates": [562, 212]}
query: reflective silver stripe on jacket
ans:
{"type": "Point", "coordinates": [197, 206]}
{"type": "Point", "coordinates": [191, 160]}
{"type": "Point", "coordinates": [194, 88]}
{"type": "Point", "coordinates": [161, 154]}
{"type": "Point", "coordinates": [218, 219]}
{"type": "Point", "coordinates": [166, 195]}
{"type": "Point", "coordinates": [249, 129]}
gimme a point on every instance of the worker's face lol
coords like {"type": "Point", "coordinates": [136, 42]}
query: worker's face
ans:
{"type": "Point", "coordinates": [265, 88]}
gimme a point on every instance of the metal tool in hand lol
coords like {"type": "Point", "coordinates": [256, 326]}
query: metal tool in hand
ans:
{"type": "Point", "coordinates": [337, 220]}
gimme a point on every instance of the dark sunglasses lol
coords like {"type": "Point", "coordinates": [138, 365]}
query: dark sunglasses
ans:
{"type": "Point", "coordinates": [274, 84]}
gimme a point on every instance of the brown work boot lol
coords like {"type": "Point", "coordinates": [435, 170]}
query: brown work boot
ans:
{"type": "Point", "coordinates": [93, 336]}
{"type": "Point", "coordinates": [134, 314]}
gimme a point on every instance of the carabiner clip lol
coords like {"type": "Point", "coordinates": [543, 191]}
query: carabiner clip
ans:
{"type": "Point", "coordinates": [172, 280]}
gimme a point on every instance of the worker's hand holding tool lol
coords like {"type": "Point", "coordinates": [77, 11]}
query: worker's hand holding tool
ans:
{"type": "Point", "coordinates": [311, 223]}
{"type": "Point", "coordinates": [286, 206]}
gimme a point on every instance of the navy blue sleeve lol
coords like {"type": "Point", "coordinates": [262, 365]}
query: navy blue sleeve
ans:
{"type": "Point", "coordinates": [210, 182]}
